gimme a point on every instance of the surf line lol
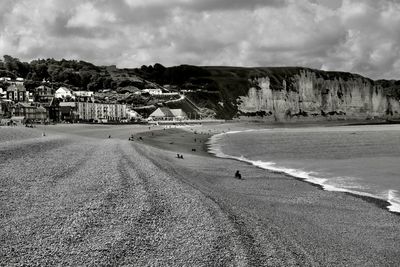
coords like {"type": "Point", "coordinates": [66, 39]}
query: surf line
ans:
{"type": "Point", "coordinates": [391, 204]}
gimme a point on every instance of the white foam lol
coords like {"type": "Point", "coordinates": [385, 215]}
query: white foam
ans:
{"type": "Point", "coordinates": [394, 201]}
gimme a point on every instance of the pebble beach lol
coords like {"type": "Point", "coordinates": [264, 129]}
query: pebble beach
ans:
{"type": "Point", "coordinates": [77, 197]}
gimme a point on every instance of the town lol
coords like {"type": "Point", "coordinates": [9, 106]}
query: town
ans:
{"type": "Point", "coordinates": [46, 104]}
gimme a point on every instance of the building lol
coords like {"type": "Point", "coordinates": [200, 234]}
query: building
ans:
{"type": "Point", "coordinates": [3, 94]}
{"type": "Point", "coordinates": [64, 92]}
{"type": "Point", "coordinates": [179, 114]}
{"type": "Point", "coordinates": [15, 120]}
{"type": "Point", "coordinates": [89, 111]}
{"type": "Point", "coordinates": [165, 113]}
{"type": "Point", "coordinates": [43, 94]}
{"type": "Point", "coordinates": [132, 115]}
{"type": "Point", "coordinates": [83, 96]}
{"type": "Point", "coordinates": [162, 113]}
{"type": "Point", "coordinates": [68, 111]}
{"type": "Point", "coordinates": [17, 92]}
{"type": "Point", "coordinates": [53, 109]}
{"type": "Point", "coordinates": [30, 112]}
{"type": "Point", "coordinates": [153, 91]}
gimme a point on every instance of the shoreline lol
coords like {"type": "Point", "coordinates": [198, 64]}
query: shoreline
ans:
{"type": "Point", "coordinates": [379, 202]}
{"type": "Point", "coordinates": [295, 206]}
{"type": "Point", "coordinates": [204, 133]}
{"type": "Point", "coordinates": [207, 151]}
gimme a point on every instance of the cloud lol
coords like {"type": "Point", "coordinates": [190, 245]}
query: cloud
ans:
{"type": "Point", "coordinates": [347, 35]}
{"type": "Point", "coordinates": [88, 16]}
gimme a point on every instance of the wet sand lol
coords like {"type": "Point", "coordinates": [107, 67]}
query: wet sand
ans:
{"type": "Point", "coordinates": [77, 197]}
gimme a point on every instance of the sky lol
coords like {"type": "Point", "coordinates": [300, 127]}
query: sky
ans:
{"type": "Point", "coordinates": [360, 36]}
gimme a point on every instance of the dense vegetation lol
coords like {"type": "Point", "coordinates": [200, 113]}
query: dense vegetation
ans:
{"type": "Point", "coordinates": [72, 73]}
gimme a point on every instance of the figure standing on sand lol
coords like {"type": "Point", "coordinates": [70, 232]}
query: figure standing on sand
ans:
{"type": "Point", "coordinates": [179, 156]}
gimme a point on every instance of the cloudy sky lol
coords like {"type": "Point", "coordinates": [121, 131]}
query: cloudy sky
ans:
{"type": "Point", "coordinates": [361, 36]}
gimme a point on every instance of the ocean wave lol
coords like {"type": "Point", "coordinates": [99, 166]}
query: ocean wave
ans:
{"type": "Point", "coordinates": [215, 148]}
{"type": "Point", "coordinates": [394, 200]}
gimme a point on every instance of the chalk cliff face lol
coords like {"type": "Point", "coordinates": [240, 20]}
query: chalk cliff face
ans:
{"type": "Point", "coordinates": [305, 95]}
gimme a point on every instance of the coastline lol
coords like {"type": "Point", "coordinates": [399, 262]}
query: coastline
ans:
{"type": "Point", "coordinates": [208, 149]}
{"type": "Point", "coordinates": [381, 203]}
{"type": "Point", "coordinates": [189, 210]}
{"type": "Point", "coordinates": [296, 207]}
{"type": "Point", "coordinates": [165, 137]}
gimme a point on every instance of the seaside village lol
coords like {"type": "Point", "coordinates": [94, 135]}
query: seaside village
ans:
{"type": "Point", "coordinates": [46, 104]}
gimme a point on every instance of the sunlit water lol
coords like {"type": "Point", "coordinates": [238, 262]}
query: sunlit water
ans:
{"type": "Point", "coordinates": [359, 159]}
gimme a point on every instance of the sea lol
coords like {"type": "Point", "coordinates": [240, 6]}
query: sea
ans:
{"type": "Point", "coordinates": [363, 160]}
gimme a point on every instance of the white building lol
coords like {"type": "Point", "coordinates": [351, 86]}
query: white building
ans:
{"type": "Point", "coordinates": [165, 113]}
{"type": "Point", "coordinates": [83, 93]}
{"type": "Point", "coordinates": [153, 91]}
{"type": "Point", "coordinates": [131, 114]}
{"type": "Point", "coordinates": [63, 92]}
{"type": "Point", "coordinates": [84, 96]}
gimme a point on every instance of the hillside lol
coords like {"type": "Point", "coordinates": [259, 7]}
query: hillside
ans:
{"type": "Point", "coordinates": [269, 93]}
{"type": "Point", "coordinates": [282, 93]}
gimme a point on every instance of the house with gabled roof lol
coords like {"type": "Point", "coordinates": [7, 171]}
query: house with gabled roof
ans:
{"type": "Point", "coordinates": [43, 93]}
{"type": "Point", "coordinates": [17, 92]}
{"type": "Point", "coordinates": [162, 113]}
{"type": "Point", "coordinates": [165, 113]}
{"type": "Point", "coordinates": [63, 92]}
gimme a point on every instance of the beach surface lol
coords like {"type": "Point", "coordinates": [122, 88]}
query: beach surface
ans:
{"type": "Point", "coordinates": [78, 197]}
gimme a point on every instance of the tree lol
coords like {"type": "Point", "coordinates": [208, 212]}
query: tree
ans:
{"type": "Point", "coordinates": [20, 69]}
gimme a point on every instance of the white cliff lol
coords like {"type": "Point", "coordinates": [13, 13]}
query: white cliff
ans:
{"type": "Point", "coordinates": [305, 96]}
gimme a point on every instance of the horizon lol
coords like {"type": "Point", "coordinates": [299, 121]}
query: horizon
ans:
{"type": "Point", "coordinates": [342, 35]}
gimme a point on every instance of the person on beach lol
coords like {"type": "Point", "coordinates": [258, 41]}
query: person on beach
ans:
{"type": "Point", "coordinates": [238, 175]}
